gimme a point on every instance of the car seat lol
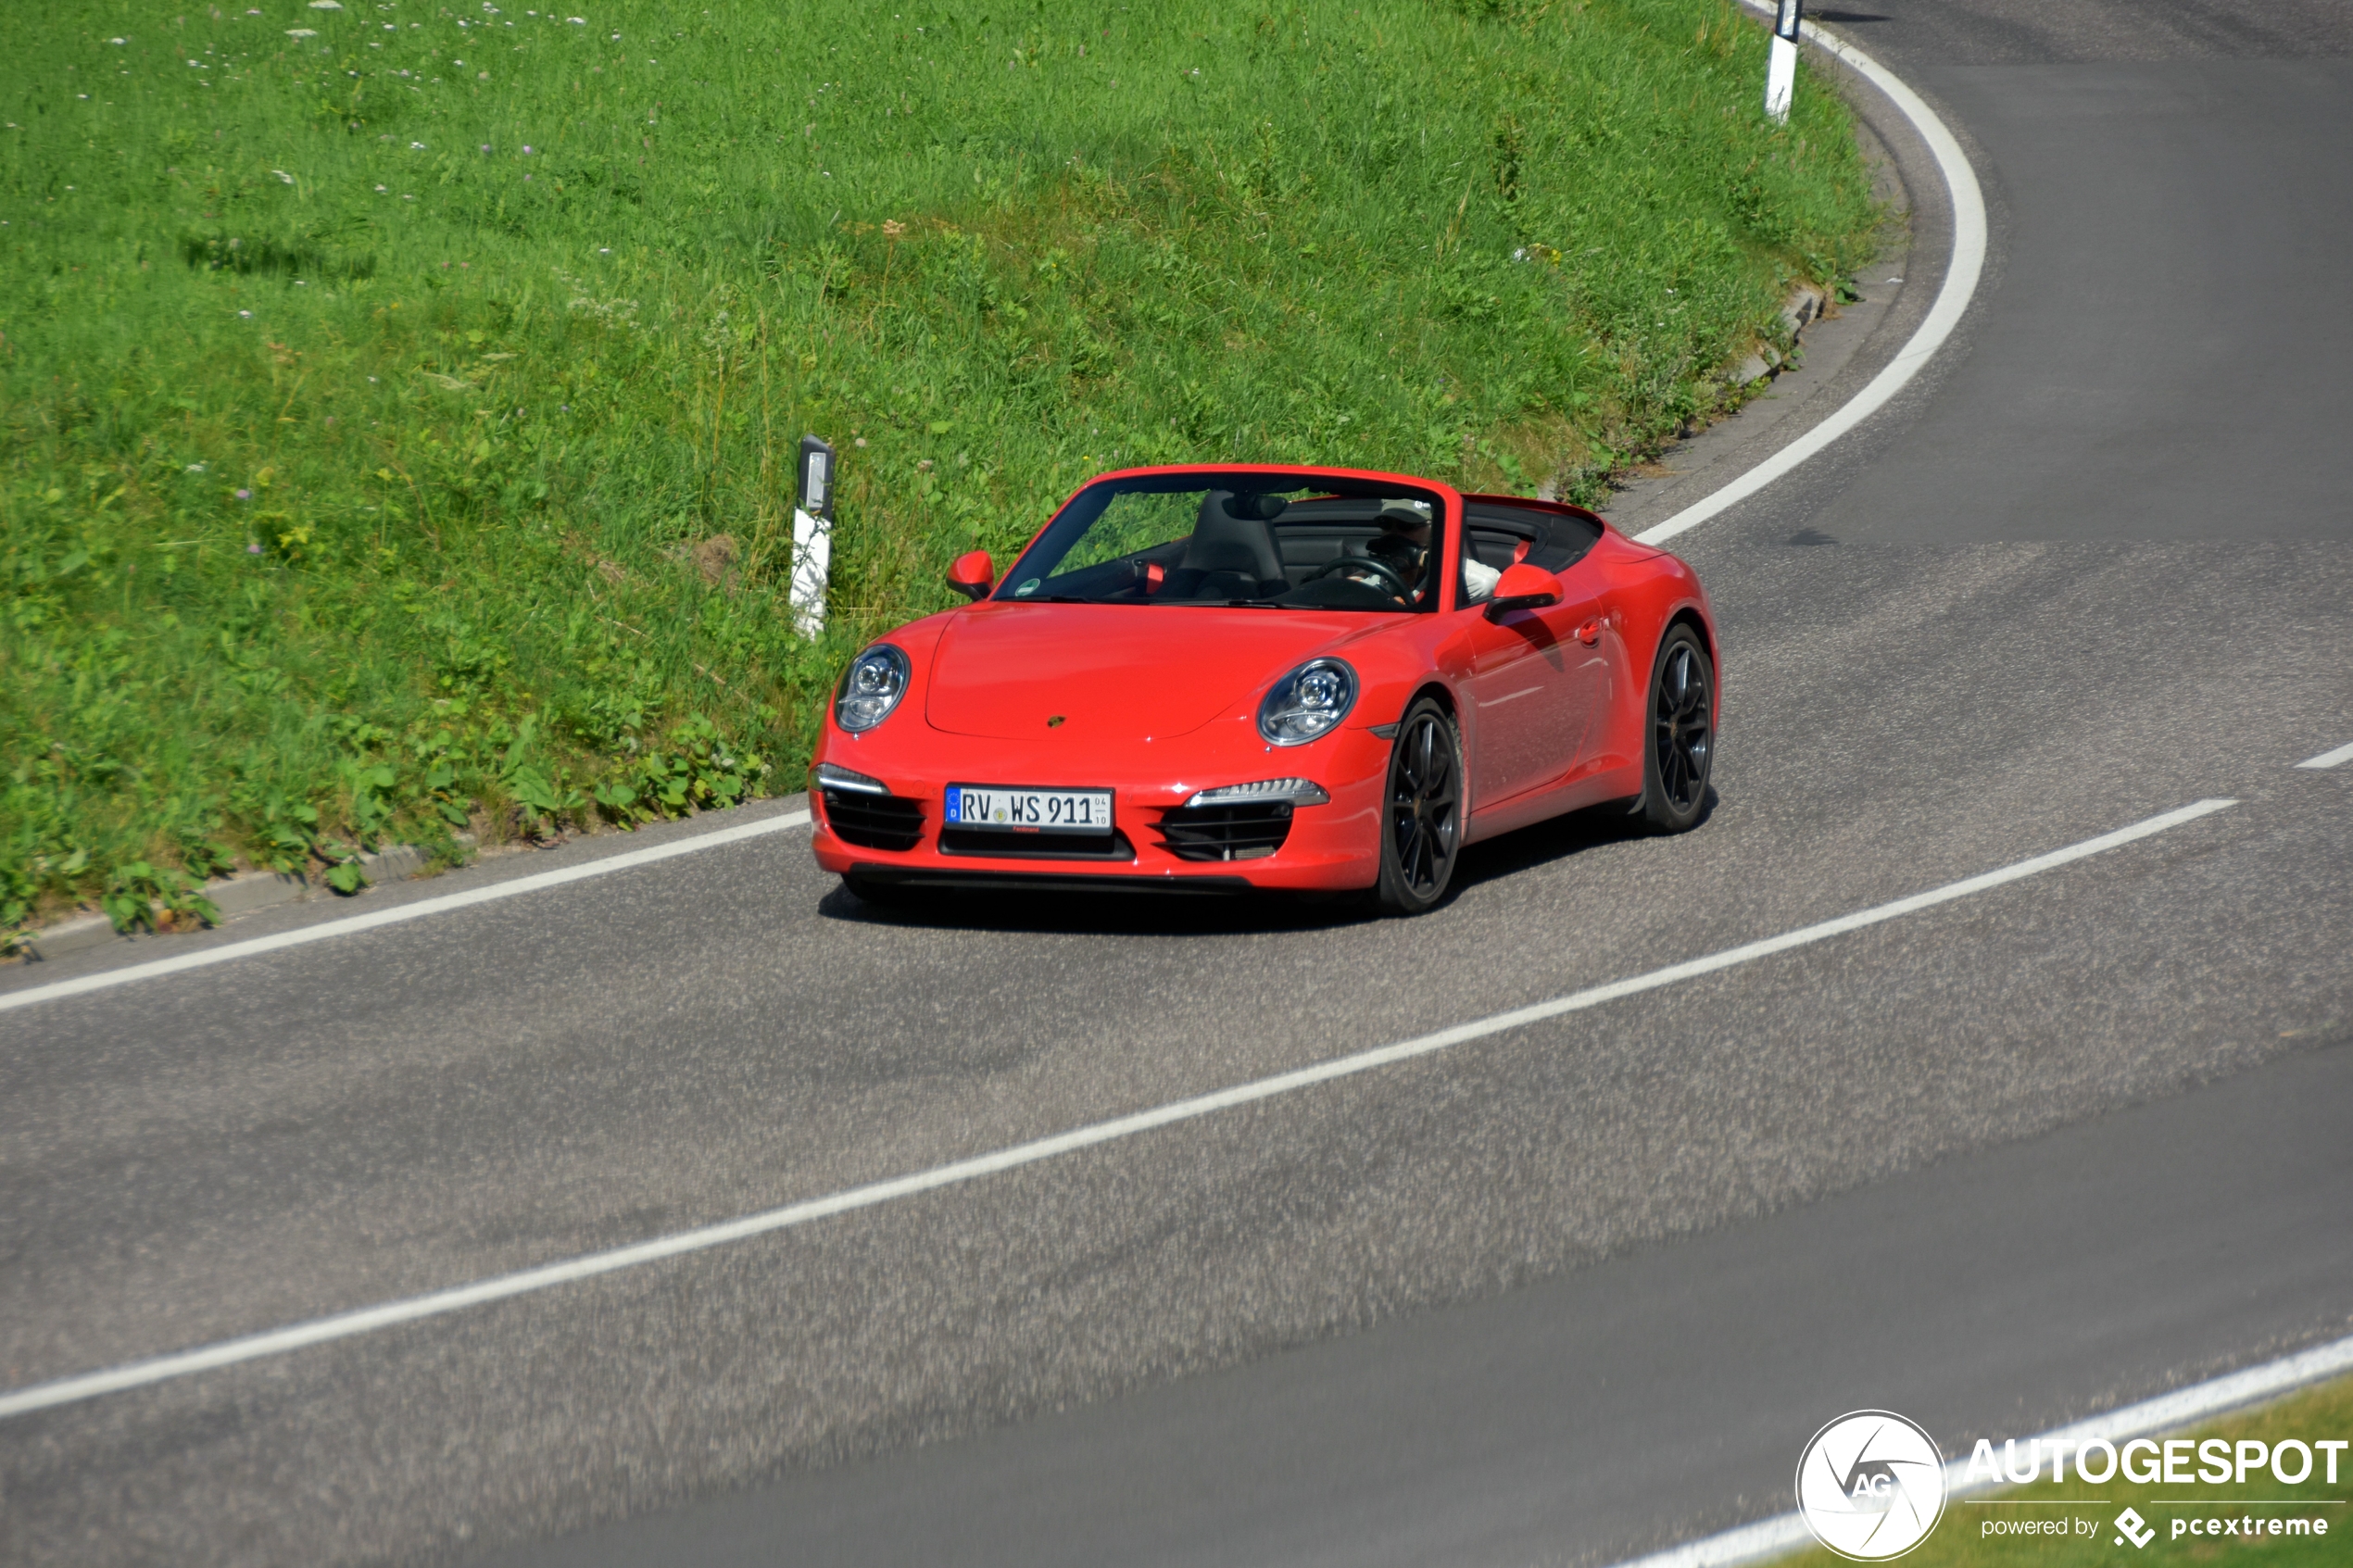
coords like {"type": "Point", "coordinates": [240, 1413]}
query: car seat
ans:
{"type": "Point", "coordinates": [1232, 536]}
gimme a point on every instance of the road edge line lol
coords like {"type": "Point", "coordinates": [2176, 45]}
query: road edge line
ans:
{"type": "Point", "coordinates": [365, 1320]}
{"type": "Point", "coordinates": [627, 859]}
{"type": "Point", "coordinates": [1961, 277]}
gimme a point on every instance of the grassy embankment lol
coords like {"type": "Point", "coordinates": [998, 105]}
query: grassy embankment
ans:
{"type": "Point", "coordinates": [1960, 1538]}
{"type": "Point", "coordinates": [399, 398]}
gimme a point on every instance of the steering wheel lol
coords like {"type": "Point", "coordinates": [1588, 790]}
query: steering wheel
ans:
{"type": "Point", "coordinates": [1379, 568]}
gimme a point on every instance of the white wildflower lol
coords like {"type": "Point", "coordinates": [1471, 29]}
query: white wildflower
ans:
{"type": "Point", "coordinates": [302, 32]}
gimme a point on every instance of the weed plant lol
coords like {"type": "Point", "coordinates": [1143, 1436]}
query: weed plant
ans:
{"type": "Point", "coordinates": [399, 398]}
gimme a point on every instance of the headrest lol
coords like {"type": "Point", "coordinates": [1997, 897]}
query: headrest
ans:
{"type": "Point", "coordinates": [1230, 535]}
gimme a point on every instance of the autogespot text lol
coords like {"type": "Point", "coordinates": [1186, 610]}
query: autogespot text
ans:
{"type": "Point", "coordinates": [2150, 1462]}
{"type": "Point", "coordinates": [2178, 1461]}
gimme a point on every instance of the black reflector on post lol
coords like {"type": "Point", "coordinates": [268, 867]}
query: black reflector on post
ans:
{"type": "Point", "coordinates": [817, 475]}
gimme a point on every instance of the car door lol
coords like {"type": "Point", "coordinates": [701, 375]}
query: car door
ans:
{"type": "Point", "coordinates": [1538, 678]}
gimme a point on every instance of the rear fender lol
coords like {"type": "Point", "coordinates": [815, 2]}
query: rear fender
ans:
{"type": "Point", "coordinates": [1649, 609]}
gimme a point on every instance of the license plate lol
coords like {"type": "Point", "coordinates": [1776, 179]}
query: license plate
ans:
{"type": "Point", "coordinates": [1011, 809]}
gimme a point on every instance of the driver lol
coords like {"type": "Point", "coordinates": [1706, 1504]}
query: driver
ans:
{"type": "Point", "coordinates": [1404, 545]}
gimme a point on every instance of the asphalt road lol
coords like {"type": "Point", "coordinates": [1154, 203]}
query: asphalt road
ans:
{"type": "Point", "coordinates": [1561, 1293]}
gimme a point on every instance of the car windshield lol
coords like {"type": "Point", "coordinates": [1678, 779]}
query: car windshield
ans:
{"type": "Point", "coordinates": [1281, 541]}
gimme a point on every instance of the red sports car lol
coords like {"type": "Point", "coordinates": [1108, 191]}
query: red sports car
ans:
{"type": "Point", "coordinates": [1217, 678]}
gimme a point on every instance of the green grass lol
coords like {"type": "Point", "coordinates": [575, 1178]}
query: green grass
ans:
{"type": "Point", "coordinates": [394, 444]}
{"type": "Point", "coordinates": [1958, 1540]}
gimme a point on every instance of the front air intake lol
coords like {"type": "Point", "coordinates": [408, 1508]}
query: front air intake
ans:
{"type": "Point", "coordinates": [875, 822]}
{"type": "Point", "coordinates": [1245, 831]}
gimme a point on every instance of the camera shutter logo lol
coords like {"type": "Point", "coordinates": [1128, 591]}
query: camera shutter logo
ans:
{"type": "Point", "coordinates": [1871, 1485]}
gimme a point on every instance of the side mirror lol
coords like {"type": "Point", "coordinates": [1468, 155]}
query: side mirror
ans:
{"type": "Point", "coordinates": [973, 575]}
{"type": "Point", "coordinates": [1523, 586]}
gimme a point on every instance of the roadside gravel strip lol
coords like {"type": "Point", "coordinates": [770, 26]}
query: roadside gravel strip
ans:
{"type": "Point", "coordinates": [367, 1320]}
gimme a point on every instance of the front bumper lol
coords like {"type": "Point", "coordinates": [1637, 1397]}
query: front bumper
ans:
{"type": "Point", "coordinates": [1327, 847]}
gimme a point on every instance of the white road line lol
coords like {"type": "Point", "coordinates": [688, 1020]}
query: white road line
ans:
{"type": "Point", "coordinates": [1952, 300]}
{"type": "Point", "coordinates": [2329, 758]}
{"type": "Point", "coordinates": [627, 860]}
{"type": "Point", "coordinates": [369, 1319]}
{"type": "Point", "coordinates": [2168, 1412]}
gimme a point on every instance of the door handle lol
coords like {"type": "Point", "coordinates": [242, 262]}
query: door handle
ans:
{"type": "Point", "coordinates": [1590, 633]}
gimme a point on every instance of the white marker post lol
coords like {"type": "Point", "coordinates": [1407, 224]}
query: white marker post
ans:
{"type": "Point", "coordinates": [1780, 74]}
{"type": "Point", "coordinates": [813, 536]}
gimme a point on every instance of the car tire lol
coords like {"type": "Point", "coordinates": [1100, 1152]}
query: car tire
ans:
{"type": "Point", "coordinates": [1421, 820]}
{"type": "Point", "coordinates": [1679, 733]}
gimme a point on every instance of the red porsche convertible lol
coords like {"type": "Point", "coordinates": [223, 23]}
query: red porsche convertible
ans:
{"type": "Point", "coordinates": [1209, 678]}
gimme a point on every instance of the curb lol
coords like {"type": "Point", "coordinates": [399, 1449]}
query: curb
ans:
{"type": "Point", "coordinates": [1954, 295]}
{"type": "Point", "coordinates": [239, 895]}
{"type": "Point", "coordinates": [1797, 311]}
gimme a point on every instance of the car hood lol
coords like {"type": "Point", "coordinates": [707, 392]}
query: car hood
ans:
{"type": "Point", "coordinates": [1021, 672]}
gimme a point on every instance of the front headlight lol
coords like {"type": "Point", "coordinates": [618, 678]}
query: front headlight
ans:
{"type": "Point", "coordinates": [1308, 703]}
{"type": "Point", "coordinates": [870, 688]}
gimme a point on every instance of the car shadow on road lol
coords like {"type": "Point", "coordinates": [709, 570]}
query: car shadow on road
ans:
{"type": "Point", "coordinates": [1548, 843]}
{"type": "Point", "coordinates": [1156, 912]}
{"type": "Point", "coordinates": [1084, 911]}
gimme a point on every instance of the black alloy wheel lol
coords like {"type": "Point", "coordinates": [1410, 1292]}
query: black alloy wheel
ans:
{"type": "Point", "coordinates": [1682, 733]}
{"type": "Point", "coordinates": [1422, 815]}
